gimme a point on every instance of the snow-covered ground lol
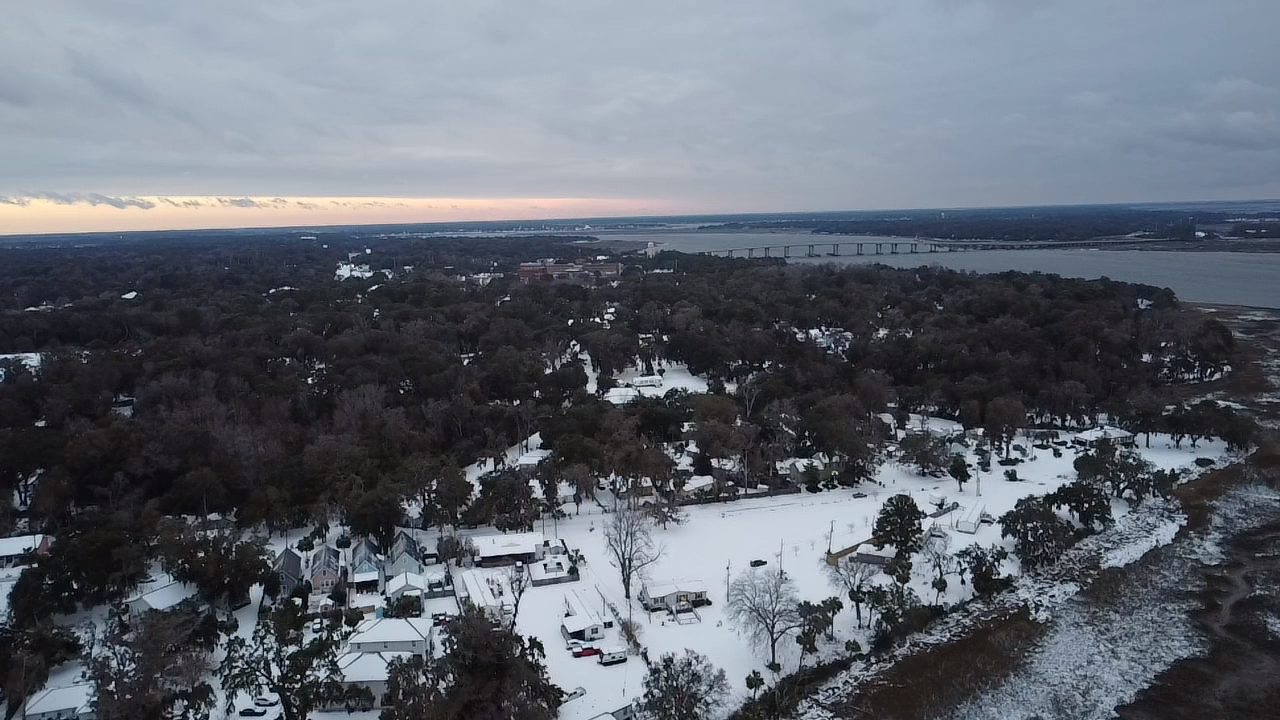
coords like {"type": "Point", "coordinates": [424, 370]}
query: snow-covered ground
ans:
{"type": "Point", "coordinates": [719, 541]}
{"type": "Point", "coordinates": [1100, 653]}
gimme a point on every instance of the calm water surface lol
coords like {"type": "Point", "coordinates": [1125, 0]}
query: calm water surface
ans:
{"type": "Point", "coordinates": [1210, 277]}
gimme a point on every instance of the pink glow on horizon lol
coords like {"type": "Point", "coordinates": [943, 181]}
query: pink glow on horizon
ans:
{"type": "Point", "coordinates": [41, 215]}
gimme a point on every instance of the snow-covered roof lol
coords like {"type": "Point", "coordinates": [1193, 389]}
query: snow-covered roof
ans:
{"type": "Point", "coordinates": [365, 577]}
{"type": "Point", "coordinates": [533, 457]}
{"type": "Point", "coordinates": [368, 667]}
{"type": "Point", "coordinates": [406, 581]}
{"type": "Point", "coordinates": [73, 698]}
{"type": "Point", "coordinates": [14, 546]}
{"type": "Point", "coordinates": [580, 616]}
{"type": "Point", "coordinates": [676, 586]}
{"type": "Point", "coordinates": [698, 482]}
{"type": "Point", "coordinates": [1106, 432]}
{"type": "Point", "coordinates": [512, 544]}
{"type": "Point", "coordinates": [388, 630]}
{"type": "Point", "coordinates": [434, 573]}
{"type": "Point", "coordinates": [480, 592]}
{"type": "Point", "coordinates": [162, 598]}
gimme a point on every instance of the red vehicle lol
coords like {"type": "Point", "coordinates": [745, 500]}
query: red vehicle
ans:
{"type": "Point", "coordinates": [580, 650]}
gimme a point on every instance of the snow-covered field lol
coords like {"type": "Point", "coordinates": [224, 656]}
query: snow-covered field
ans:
{"type": "Point", "coordinates": [1100, 654]}
{"type": "Point", "coordinates": [719, 541]}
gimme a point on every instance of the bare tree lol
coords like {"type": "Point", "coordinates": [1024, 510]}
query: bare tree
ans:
{"type": "Point", "coordinates": [519, 579]}
{"type": "Point", "coordinates": [628, 537]}
{"type": "Point", "coordinates": [853, 577]}
{"type": "Point", "coordinates": [942, 562]}
{"type": "Point", "coordinates": [156, 666]}
{"type": "Point", "coordinates": [764, 604]}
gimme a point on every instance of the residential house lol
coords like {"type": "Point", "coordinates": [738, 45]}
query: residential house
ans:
{"type": "Point", "coordinates": [73, 702]}
{"type": "Point", "coordinates": [16, 551]}
{"type": "Point", "coordinates": [401, 635]}
{"type": "Point", "coordinates": [288, 567]}
{"type": "Point", "coordinates": [1117, 436]}
{"type": "Point", "coordinates": [678, 596]}
{"type": "Point", "coordinates": [580, 621]}
{"type": "Point", "coordinates": [369, 671]}
{"type": "Point", "coordinates": [485, 592]}
{"type": "Point", "coordinates": [404, 557]}
{"type": "Point", "coordinates": [366, 565]}
{"type": "Point", "coordinates": [326, 569]}
{"type": "Point", "coordinates": [164, 596]}
{"type": "Point", "coordinates": [406, 584]}
{"type": "Point", "coordinates": [497, 550]}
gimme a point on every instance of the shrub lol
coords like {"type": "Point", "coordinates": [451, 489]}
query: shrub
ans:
{"type": "Point", "coordinates": [1011, 475]}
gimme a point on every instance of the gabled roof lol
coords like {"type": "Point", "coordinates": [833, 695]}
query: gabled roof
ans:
{"type": "Point", "coordinates": [389, 630]}
{"type": "Point", "coordinates": [406, 581]}
{"type": "Point", "coordinates": [367, 667]}
{"type": "Point", "coordinates": [163, 597]}
{"type": "Point", "coordinates": [404, 543]}
{"type": "Point", "coordinates": [289, 562]}
{"type": "Point", "coordinates": [364, 551]}
{"type": "Point", "coordinates": [75, 698]}
{"type": "Point", "coordinates": [676, 586]}
{"type": "Point", "coordinates": [326, 557]}
{"type": "Point", "coordinates": [581, 616]}
{"type": "Point", "coordinates": [13, 546]}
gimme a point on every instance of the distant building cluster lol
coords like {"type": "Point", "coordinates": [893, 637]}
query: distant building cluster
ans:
{"type": "Point", "coordinates": [568, 272]}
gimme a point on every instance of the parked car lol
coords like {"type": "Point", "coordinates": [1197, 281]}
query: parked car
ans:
{"type": "Point", "coordinates": [253, 712]}
{"type": "Point", "coordinates": [266, 702]}
{"type": "Point", "coordinates": [317, 625]}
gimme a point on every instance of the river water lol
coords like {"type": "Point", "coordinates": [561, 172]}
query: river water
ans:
{"type": "Point", "coordinates": [1228, 278]}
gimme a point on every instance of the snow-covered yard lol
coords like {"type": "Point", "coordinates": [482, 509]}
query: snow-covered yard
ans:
{"type": "Point", "coordinates": [719, 541]}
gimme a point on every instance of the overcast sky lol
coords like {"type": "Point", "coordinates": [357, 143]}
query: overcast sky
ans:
{"type": "Point", "coordinates": [536, 107]}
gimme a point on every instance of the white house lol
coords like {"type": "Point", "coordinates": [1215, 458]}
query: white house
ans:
{"type": "Point", "coordinates": [484, 592]}
{"type": "Point", "coordinates": [507, 549]}
{"type": "Point", "coordinates": [675, 596]}
{"type": "Point", "coordinates": [406, 584]}
{"type": "Point", "coordinates": [368, 670]}
{"type": "Point", "coordinates": [1116, 435]}
{"type": "Point", "coordinates": [14, 550]}
{"type": "Point", "coordinates": [162, 597]}
{"type": "Point", "coordinates": [73, 702]}
{"type": "Point", "coordinates": [580, 621]}
{"type": "Point", "coordinates": [397, 635]}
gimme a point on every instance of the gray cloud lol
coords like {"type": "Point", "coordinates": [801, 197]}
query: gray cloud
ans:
{"type": "Point", "coordinates": [732, 104]}
{"type": "Point", "coordinates": [77, 199]}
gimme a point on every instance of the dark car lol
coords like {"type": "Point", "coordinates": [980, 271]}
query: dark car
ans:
{"type": "Point", "coordinates": [253, 712]}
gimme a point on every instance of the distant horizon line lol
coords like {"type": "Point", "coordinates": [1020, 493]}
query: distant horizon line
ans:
{"type": "Point", "coordinates": [567, 220]}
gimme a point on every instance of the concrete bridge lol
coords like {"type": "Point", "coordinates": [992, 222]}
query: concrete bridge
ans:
{"type": "Point", "coordinates": [854, 246]}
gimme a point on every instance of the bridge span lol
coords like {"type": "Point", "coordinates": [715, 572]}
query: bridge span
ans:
{"type": "Point", "coordinates": [854, 246]}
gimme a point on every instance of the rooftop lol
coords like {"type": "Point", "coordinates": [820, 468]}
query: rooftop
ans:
{"type": "Point", "coordinates": [77, 698]}
{"type": "Point", "coordinates": [368, 667]}
{"type": "Point", "coordinates": [12, 546]}
{"type": "Point", "coordinates": [512, 544]}
{"type": "Point", "coordinates": [389, 630]}
{"type": "Point", "coordinates": [675, 586]}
